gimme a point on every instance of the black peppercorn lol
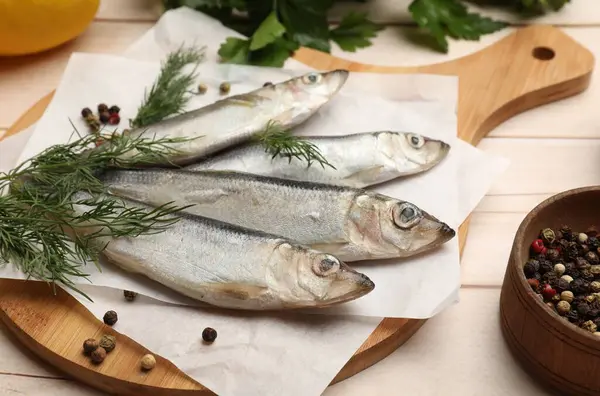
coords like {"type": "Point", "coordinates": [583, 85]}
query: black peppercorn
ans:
{"type": "Point", "coordinates": [570, 252]}
{"type": "Point", "coordinates": [529, 269]}
{"type": "Point", "coordinates": [552, 255]}
{"type": "Point", "coordinates": [562, 285]}
{"type": "Point", "coordinates": [583, 249]}
{"type": "Point", "coordinates": [567, 233]}
{"type": "Point", "coordinates": [593, 313]}
{"type": "Point", "coordinates": [593, 243]}
{"type": "Point", "coordinates": [537, 276]}
{"type": "Point", "coordinates": [209, 334]}
{"type": "Point", "coordinates": [85, 112]}
{"type": "Point", "coordinates": [587, 275]}
{"type": "Point", "coordinates": [573, 316]}
{"type": "Point", "coordinates": [581, 263]}
{"type": "Point", "coordinates": [102, 108]}
{"type": "Point", "coordinates": [592, 231]}
{"type": "Point", "coordinates": [550, 277]}
{"type": "Point", "coordinates": [583, 309]}
{"type": "Point", "coordinates": [104, 117]}
{"type": "Point", "coordinates": [580, 286]}
{"type": "Point", "coordinates": [129, 295]}
{"type": "Point", "coordinates": [114, 110]}
{"type": "Point", "coordinates": [568, 268]}
{"type": "Point", "coordinates": [597, 321]}
{"type": "Point", "coordinates": [267, 84]}
{"type": "Point", "coordinates": [546, 266]}
{"type": "Point", "coordinates": [574, 273]}
{"type": "Point", "coordinates": [592, 257]}
{"type": "Point", "coordinates": [110, 318]}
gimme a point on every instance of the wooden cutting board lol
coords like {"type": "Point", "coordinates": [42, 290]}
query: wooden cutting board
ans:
{"type": "Point", "coordinates": [530, 67]}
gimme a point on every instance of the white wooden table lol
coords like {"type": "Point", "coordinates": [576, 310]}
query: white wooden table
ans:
{"type": "Point", "coordinates": [461, 351]}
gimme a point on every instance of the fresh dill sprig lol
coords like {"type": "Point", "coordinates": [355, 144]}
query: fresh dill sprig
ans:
{"type": "Point", "coordinates": [41, 233]}
{"type": "Point", "coordinates": [279, 141]}
{"type": "Point", "coordinates": [168, 94]}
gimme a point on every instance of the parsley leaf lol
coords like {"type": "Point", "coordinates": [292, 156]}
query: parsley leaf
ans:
{"type": "Point", "coordinates": [268, 31]}
{"type": "Point", "coordinates": [451, 18]}
{"type": "Point", "coordinates": [306, 22]}
{"type": "Point", "coordinates": [235, 50]}
{"type": "Point", "coordinates": [354, 31]}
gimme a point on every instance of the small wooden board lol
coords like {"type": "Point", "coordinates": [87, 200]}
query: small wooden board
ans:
{"type": "Point", "coordinates": [528, 68]}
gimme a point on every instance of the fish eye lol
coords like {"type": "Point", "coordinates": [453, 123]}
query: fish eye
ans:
{"type": "Point", "coordinates": [406, 215]}
{"type": "Point", "coordinates": [311, 78]}
{"type": "Point", "coordinates": [326, 266]}
{"type": "Point", "coordinates": [416, 141]}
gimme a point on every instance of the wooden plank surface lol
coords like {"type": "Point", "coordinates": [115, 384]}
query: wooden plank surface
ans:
{"type": "Point", "coordinates": [468, 327]}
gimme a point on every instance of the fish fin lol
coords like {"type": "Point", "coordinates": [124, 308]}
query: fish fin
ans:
{"type": "Point", "coordinates": [243, 100]}
{"type": "Point", "coordinates": [365, 175]}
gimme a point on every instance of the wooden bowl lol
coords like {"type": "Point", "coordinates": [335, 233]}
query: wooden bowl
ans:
{"type": "Point", "coordinates": [560, 355]}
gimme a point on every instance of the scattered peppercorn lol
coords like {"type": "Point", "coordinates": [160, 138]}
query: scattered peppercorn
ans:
{"type": "Point", "coordinates": [209, 334]}
{"type": "Point", "coordinates": [98, 355]}
{"type": "Point", "coordinates": [129, 295]}
{"type": "Point", "coordinates": [114, 109]}
{"type": "Point", "coordinates": [563, 269]}
{"type": "Point", "coordinates": [85, 112]}
{"type": "Point", "coordinates": [102, 108]}
{"type": "Point", "coordinates": [110, 318]}
{"type": "Point", "coordinates": [267, 84]}
{"type": "Point", "coordinates": [104, 117]}
{"type": "Point", "coordinates": [148, 362]}
{"type": "Point", "coordinates": [224, 88]}
{"type": "Point", "coordinates": [114, 119]}
{"type": "Point", "coordinates": [108, 342]}
{"type": "Point", "coordinates": [202, 88]}
{"type": "Point", "coordinates": [90, 345]}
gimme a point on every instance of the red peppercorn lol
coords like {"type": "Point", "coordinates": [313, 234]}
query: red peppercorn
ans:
{"type": "Point", "coordinates": [548, 292]}
{"type": "Point", "coordinates": [538, 246]}
{"type": "Point", "coordinates": [114, 119]}
{"type": "Point", "coordinates": [534, 283]}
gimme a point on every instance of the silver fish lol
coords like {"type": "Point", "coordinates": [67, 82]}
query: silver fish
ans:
{"type": "Point", "coordinates": [228, 266]}
{"type": "Point", "coordinates": [235, 119]}
{"type": "Point", "coordinates": [360, 160]}
{"type": "Point", "coordinates": [352, 224]}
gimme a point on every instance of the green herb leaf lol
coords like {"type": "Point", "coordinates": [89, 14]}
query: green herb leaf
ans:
{"type": "Point", "coordinates": [274, 54]}
{"type": "Point", "coordinates": [167, 96]}
{"type": "Point", "coordinates": [306, 22]}
{"type": "Point", "coordinates": [444, 18]}
{"type": "Point", "coordinates": [354, 31]}
{"type": "Point", "coordinates": [235, 50]}
{"type": "Point", "coordinates": [268, 31]}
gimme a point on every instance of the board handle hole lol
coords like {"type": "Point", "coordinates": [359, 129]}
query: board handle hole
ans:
{"type": "Point", "coordinates": [543, 53]}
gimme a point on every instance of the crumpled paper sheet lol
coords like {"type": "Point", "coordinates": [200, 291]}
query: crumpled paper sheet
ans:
{"type": "Point", "coordinates": [289, 355]}
{"type": "Point", "coordinates": [415, 287]}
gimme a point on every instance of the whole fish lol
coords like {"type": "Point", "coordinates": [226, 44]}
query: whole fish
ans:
{"type": "Point", "coordinates": [229, 266]}
{"type": "Point", "coordinates": [352, 224]}
{"type": "Point", "coordinates": [237, 118]}
{"type": "Point", "coordinates": [358, 160]}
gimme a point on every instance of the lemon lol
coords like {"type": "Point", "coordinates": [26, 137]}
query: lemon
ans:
{"type": "Point", "coordinates": [30, 26]}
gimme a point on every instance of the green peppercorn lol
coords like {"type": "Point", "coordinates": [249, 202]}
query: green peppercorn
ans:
{"type": "Point", "coordinates": [590, 298]}
{"type": "Point", "coordinates": [108, 342]}
{"type": "Point", "coordinates": [224, 88]}
{"type": "Point", "coordinates": [548, 235]}
{"type": "Point", "coordinates": [589, 326]}
{"type": "Point", "coordinates": [202, 88]}
{"type": "Point", "coordinates": [595, 286]}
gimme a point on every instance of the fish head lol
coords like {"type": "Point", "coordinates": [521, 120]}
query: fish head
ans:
{"type": "Point", "coordinates": [307, 277]}
{"type": "Point", "coordinates": [300, 97]}
{"type": "Point", "coordinates": [384, 227]}
{"type": "Point", "coordinates": [421, 153]}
